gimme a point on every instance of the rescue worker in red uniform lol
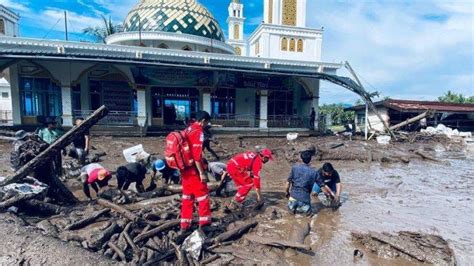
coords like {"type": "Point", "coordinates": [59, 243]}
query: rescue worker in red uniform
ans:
{"type": "Point", "coordinates": [194, 178]}
{"type": "Point", "coordinates": [244, 170]}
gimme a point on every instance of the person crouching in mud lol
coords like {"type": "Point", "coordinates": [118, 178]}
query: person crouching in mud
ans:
{"type": "Point", "coordinates": [244, 169]}
{"type": "Point", "coordinates": [300, 183]}
{"type": "Point", "coordinates": [329, 183]}
{"type": "Point", "coordinates": [96, 176]}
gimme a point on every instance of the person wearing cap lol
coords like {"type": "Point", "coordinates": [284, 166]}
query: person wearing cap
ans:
{"type": "Point", "coordinates": [21, 137]}
{"type": "Point", "coordinates": [300, 183]}
{"type": "Point", "coordinates": [96, 176]}
{"type": "Point", "coordinates": [168, 174]}
{"type": "Point", "coordinates": [50, 133]}
{"type": "Point", "coordinates": [244, 169]}
{"type": "Point", "coordinates": [131, 173]}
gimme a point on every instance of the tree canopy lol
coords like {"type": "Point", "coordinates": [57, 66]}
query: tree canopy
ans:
{"type": "Point", "coordinates": [338, 114]}
{"type": "Point", "coordinates": [101, 32]}
{"type": "Point", "coordinates": [452, 97]}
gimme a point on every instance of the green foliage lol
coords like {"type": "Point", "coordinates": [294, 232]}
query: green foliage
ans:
{"type": "Point", "coordinates": [100, 33]}
{"type": "Point", "coordinates": [337, 113]}
{"type": "Point", "coordinates": [452, 97]}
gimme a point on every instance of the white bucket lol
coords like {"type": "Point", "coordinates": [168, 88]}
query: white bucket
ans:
{"type": "Point", "coordinates": [130, 154]}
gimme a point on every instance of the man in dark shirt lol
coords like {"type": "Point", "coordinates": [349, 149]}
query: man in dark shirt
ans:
{"type": "Point", "coordinates": [300, 182]}
{"type": "Point", "coordinates": [312, 118]}
{"type": "Point", "coordinates": [81, 145]}
{"type": "Point", "coordinates": [207, 142]}
{"type": "Point", "coordinates": [328, 182]}
{"type": "Point", "coordinates": [131, 173]}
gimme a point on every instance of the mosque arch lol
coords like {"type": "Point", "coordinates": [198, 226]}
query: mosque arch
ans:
{"type": "Point", "coordinates": [187, 48]}
{"type": "Point", "coordinates": [300, 45]}
{"type": "Point", "coordinates": [284, 44]}
{"type": "Point", "coordinates": [163, 46]}
{"type": "Point", "coordinates": [292, 45]}
{"type": "Point", "coordinates": [2, 26]}
{"type": "Point", "coordinates": [238, 51]}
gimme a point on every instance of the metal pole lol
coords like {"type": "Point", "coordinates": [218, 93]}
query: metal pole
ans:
{"type": "Point", "coordinates": [65, 24]}
{"type": "Point", "coordinates": [366, 121]}
{"type": "Point", "coordinates": [140, 31]}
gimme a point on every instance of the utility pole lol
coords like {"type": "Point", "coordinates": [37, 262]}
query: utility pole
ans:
{"type": "Point", "coordinates": [65, 24]}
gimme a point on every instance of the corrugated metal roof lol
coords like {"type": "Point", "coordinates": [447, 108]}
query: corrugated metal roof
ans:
{"type": "Point", "coordinates": [419, 106]}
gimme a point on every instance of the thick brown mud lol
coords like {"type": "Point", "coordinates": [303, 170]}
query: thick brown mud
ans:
{"type": "Point", "coordinates": [422, 196]}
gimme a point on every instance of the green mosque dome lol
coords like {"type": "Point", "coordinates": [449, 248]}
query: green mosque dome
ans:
{"type": "Point", "coordinates": [176, 16]}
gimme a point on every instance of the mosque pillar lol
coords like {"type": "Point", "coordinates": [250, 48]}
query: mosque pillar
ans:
{"type": "Point", "coordinates": [149, 107]}
{"type": "Point", "coordinates": [206, 100]}
{"type": "Point", "coordinates": [263, 109]}
{"type": "Point", "coordinates": [141, 106]}
{"type": "Point", "coordinates": [315, 101]}
{"type": "Point", "coordinates": [15, 95]}
{"type": "Point", "coordinates": [66, 101]}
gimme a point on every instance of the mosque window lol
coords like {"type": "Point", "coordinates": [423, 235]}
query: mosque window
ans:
{"type": "Point", "coordinates": [234, 13]}
{"type": "Point", "coordinates": [163, 46]}
{"type": "Point", "coordinates": [300, 45]}
{"type": "Point", "coordinates": [236, 32]}
{"type": "Point", "coordinates": [238, 13]}
{"type": "Point", "coordinates": [257, 47]}
{"type": "Point", "coordinates": [292, 45]}
{"type": "Point", "coordinates": [270, 11]}
{"type": "Point", "coordinates": [284, 44]}
{"type": "Point", "coordinates": [2, 26]}
{"type": "Point", "coordinates": [223, 103]}
{"type": "Point", "coordinates": [289, 12]}
{"type": "Point", "coordinates": [187, 48]}
{"type": "Point", "coordinates": [238, 51]}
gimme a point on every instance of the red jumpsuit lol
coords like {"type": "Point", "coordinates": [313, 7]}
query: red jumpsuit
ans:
{"type": "Point", "coordinates": [193, 187]}
{"type": "Point", "coordinates": [245, 170]}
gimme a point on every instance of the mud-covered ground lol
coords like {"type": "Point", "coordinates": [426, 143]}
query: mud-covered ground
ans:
{"type": "Point", "coordinates": [421, 196]}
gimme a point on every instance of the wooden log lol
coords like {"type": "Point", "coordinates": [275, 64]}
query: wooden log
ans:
{"type": "Point", "coordinates": [151, 203]}
{"type": "Point", "coordinates": [209, 259]}
{"type": "Point", "coordinates": [122, 211]}
{"type": "Point", "coordinates": [103, 237]}
{"type": "Point", "coordinates": [165, 256]}
{"type": "Point", "coordinates": [277, 242]}
{"type": "Point", "coordinates": [236, 232]}
{"type": "Point", "coordinates": [15, 200]}
{"type": "Point", "coordinates": [212, 186]}
{"type": "Point", "coordinates": [411, 120]}
{"type": "Point", "coordinates": [42, 208]}
{"type": "Point", "coordinates": [153, 232]}
{"type": "Point", "coordinates": [117, 251]}
{"type": "Point", "coordinates": [426, 157]}
{"type": "Point", "coordinates": [129, 240]}
{"type": "Point", "coordinates": [56, 147]}
{"type": "Point", "coordinates": [86, 221]}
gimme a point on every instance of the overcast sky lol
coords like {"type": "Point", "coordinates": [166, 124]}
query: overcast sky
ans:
{"type": "Point", "coordinates": [408, 49]}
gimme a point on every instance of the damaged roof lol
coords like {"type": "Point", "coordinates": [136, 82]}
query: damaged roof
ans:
{"type": "Point", "coordinates": [420, 106]}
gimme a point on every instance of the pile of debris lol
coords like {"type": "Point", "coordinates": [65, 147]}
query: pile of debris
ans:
{"type": "Point", "coordinates": [414, 247]}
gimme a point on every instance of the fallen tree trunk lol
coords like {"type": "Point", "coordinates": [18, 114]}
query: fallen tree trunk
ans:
{"type": "Point", "coordinates": [277, 242]}
{"type": "Point", "coordinates": [38, 207]}
{"type": "Point", "coordinates": [86, 221]}
{"type": "Point", "coordinates": [153, 232]}
{"type": "Point", "coordinates": [236, 232]}
{"type": "Point", "coordinates": [15, 200]}
{"type": "Point", "coordinates": [56, 147]}
{"type": "Point", "coordinates": [124, 212]}
{"type": "Point", "coordinates": [151, 203]}
{"type": "Point", "coordinates": [411, 120]}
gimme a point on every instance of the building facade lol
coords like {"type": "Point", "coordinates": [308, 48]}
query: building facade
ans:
{"type": "Point", "coordinates": [170, 61]}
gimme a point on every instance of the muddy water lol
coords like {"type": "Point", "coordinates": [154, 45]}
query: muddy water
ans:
{"type": "Point", "coordinates": [434, 198]}
{"type": "Point", "coordinates": [422, 196]}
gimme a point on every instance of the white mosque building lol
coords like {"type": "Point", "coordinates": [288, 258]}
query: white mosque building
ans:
{"type": "Point", "coordinates": [171, 60]}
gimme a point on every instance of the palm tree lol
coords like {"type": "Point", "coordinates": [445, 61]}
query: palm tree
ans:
{"type": "Point", "coordinates": [100, 33]}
